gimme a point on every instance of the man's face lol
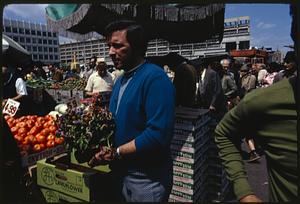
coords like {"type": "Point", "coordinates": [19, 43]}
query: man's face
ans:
{"type": "Point", "coordinates": [120, 50]}
{"type": "Point", "coordinates": [225, 65]}
{"type": "Point", "coordinates": [289, 65]}
{"type": "Point", "coordinates": [101, 68]}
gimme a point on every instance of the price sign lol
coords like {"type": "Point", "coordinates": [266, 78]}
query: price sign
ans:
{"type": "Point", "coordinates": [11, 107]}
{"type": "Point", "coordinates": [73, 102]}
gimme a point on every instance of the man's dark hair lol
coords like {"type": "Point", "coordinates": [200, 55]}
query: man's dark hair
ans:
{"type": "Point", "coordinates": [136, 35]}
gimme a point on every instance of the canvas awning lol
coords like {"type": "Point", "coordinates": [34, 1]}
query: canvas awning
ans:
{"type": "Point", "coordinates": [176, 23]}
{"type": "Point", "coordinates": [13, 53]}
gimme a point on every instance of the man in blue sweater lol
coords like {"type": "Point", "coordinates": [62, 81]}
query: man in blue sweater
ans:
{"type": "Point", "coordinates": [143, 106]}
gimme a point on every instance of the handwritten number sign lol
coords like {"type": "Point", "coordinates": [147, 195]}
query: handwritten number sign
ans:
{"type": "Point", "coordinates": [11, 107]}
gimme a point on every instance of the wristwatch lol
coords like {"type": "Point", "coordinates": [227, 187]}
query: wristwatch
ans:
{"type": "Point", "coordinates": [118, 155]}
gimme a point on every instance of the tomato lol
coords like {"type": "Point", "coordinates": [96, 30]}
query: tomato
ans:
{"type": "Point", "coordinates": [34, 130]}
{"type": "Point", "coordinates": [40, 120]}
{"type": "Point", "coordinates": [37, 148]}
{"type": "Point", "coordinates": [40, 138]}
{"type": "Point", "coordinates": [59, 140]}
{"type": "Point", "coordinates": [23, 118]}
{"type": "Point", "coordinates": [33, 117]}
{"type": "Point", "coordinates": [11, 120]}
{"type": "Point", "coordinates": [38, 125]}
{"type": "Point", "coordinates": [30, 123]}
{"type": "Point", "coordinates": [22, 131]}
{"type": "Point", "coordinates": [42, 146]}
{"type": "Point", "coordinates": [14, 130]}
{"type": "Point", "coordinates": [52, 129]}
{"type": "Point", "coordinates": [51, 137]}
{"type": "Point", "coordinates": [50, 143]}
{"type": "Point", "coordinates": [45, 132]}
{"type": "Point", "coordinates": [49, 123]}
{"type": "Point", "coordinates": [49, 117]}
{"type": "Point", "coordinates": [31, 139]}
{"type": "Point", "coordinates": [21, 124]}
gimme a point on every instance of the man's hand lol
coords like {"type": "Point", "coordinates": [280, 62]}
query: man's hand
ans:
{"type": "Point", "coordinates": [250, 198]}
{"type": "Point", "coordinates": [104, 156]}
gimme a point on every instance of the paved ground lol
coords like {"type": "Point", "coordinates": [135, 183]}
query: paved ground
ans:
{"type": "Point", "coordinates": [257, 173]}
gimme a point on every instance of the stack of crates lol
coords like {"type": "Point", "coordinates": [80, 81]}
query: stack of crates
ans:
{"type": "Point", "coordinates": [189, 148]}
{"type": "Point", "coordinates": [218, 184]}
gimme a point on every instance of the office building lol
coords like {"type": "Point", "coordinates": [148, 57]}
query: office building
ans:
{"type": "Point", "coordinates": [236, 36]}
{"type": "Point", "coordinates": [38, 39]}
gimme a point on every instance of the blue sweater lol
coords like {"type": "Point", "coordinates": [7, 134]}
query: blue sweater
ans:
{"type": "Point", "coordinates": [146, 113]}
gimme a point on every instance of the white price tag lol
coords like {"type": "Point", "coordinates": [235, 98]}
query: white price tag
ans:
{"type": "Point", "coordinates": [11, 107]}
{"type": "Point", "coordinates": [73, 102]}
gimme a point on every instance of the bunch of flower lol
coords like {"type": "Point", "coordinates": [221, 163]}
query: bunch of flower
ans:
{"type": "Point", "coordinates": [86, 129]}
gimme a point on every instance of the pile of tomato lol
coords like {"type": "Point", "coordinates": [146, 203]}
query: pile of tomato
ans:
{"type": "Point", "coordinates": [34, 133]}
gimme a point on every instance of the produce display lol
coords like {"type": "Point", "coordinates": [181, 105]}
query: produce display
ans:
{"type": "Point", "coordinates": [86, 129]}
{"type": "Point", "coordinates": [39, 83]}
{"type": "Point", "coordinates": [70, 83]}
{"type": "Point", "coordinates": [34, 133]}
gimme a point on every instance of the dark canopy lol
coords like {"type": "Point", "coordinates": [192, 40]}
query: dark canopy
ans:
{"type": "Point", "coordinates": [177, 23]}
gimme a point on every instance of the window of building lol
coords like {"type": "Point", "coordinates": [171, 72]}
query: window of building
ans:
{"type": "Point", "coordinates": [55, 49]}
{"type": "Point", "coordinates": [21, 30]}
{"type": "Point", "coordinates": [45, 57]}
{"type": "Point", "coordinates": [56, 57]}
{"type": "Point", "coordinates": [51, 57]}
{"type": "Point", "coordinates": [40, 49]}
{"type": "Point", "coordinates": [49, 34]}
{"type": "Point", "coordinates": [45, 49]}
{"type": "Point", "coordinates": [50, 42]}
{"type": "Point", "coordinates": [33, 40]}
{"type": "Point", "coordinates": [39, 33]}
{"type": "Point", "coordinates": [44, 33]}
{"type": "Point", "coordinates": [22, 39]}
{"type": "Point", "coordinates": [50, 49]}
{"type": "Point", "coordinates": [35, 57]}
{"type": "Point", "coordinates": [14, 30]}
{"type": "Point", "coordinates": [40, 41]}
{"type": "Point", "coordinates": [54, 34]}
{"type": "Point", "coordinates": [55, 42]}
{"type": "Point", "coordinates": [27, 31]}
{"type": "Point", "coordinates": [44, 41]}
{"type": "Point", "coordinates": [243, 45]}
{"type": "Point", "coordinates": [8, 29]}
{"type": "Point", "coordinates": [28, 48]}
{"type": "Point", "coordinates": [28, 40]}
{"type": "Point", "coordinates": [34, 48]}
{"type": "Point", "coordinates": [33, 32]}
{"type": "Point", "coordinates": [41, 57]}
{"type": "Point", "coordinates": [230, 46]}
{"type": "Point", "coordinates": [243, 30]}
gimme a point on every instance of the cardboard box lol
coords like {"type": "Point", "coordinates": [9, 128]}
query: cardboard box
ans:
{"type": "Point", "coordinates": [32, 159]}
{"type": "Point", "coordinates": [102, 168]}
{"type": "Point", "coordinates": [52, 196]}
{"type": "Point", "coordinates": [73, 180]}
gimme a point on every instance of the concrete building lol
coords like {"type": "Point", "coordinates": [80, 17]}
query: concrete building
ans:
{"type": "Point", "coordinates": [38, 39]}
{"type": "Point", "coordinates": [236, 36]}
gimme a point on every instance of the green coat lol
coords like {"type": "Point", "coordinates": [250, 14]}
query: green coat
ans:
{"type": "Point", "coordinates": [268, 114]}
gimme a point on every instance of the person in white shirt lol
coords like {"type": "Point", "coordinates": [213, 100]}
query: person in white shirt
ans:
{"type": "Point", "coordinates": [14, 87]}
{"type": "Point", "coordinates": [99, 81]}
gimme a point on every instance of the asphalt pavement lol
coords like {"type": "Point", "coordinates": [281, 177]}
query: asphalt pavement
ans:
{"type": "Point", "coordinates": [257, 176]}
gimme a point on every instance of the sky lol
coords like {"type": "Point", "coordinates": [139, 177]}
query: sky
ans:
{"type": "Point", "coordinates": [270, 24]}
